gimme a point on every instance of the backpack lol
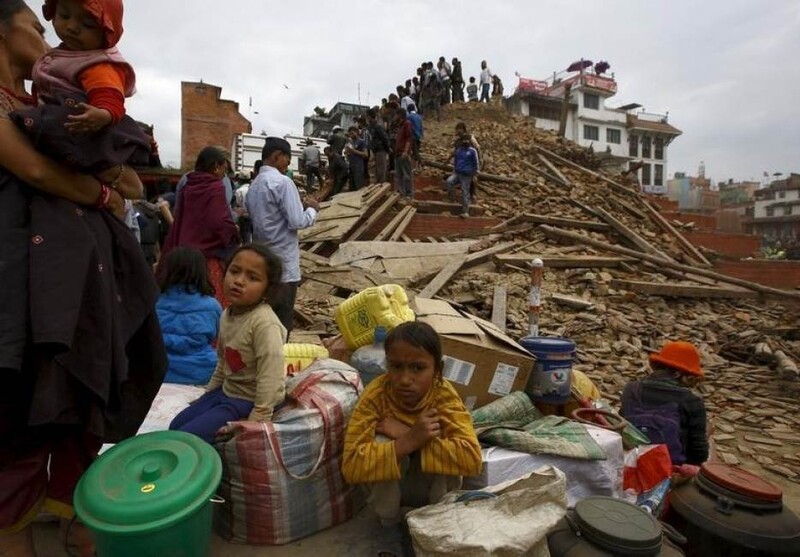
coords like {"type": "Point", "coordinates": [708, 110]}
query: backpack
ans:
{"type": "Point", "coordinates": [661, 423]}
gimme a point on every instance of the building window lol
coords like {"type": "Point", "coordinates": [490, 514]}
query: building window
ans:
{"type": "Point", "coordinates": [613, 136]}
{"type": "Point", "coordinates": [770, 212]}
{"type": "Point", "coordinates": [545, 112]}
{"type": "Point", "coordinates": [658, 178]}
{"type": "Point", "coordinates": [787, 211]}
{"type": "Point", "coordinates": [646, 175]}
{"type": "Point", "coordinates": [633, 146]}
{"type": "Point", "coordinates": [781, 194]}
{"type": "Point", "coordinates": [659, 149]}
{"type": "Point", "coordinates": [646, 144]}
{"type": "Point", "coordinates": [591, 132]}
{"type": "Point", "coordinates": [591, 101]}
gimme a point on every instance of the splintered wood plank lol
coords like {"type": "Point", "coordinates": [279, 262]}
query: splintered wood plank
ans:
{"type": "Point", "coordinates": [630, 235]}
{"type": "Point", "coordinates": [441, 279]}
{"type": "Point", "coordinates": [373, 218]}
{"type": "Point", "coordinates": [555, 170]}
{"type": "Point", "coordinates": [393, 224]}
{"type": "Point", "coordinates": [499, 308]}
{"type": "Point", "coordinates": [568, 223]}
{"type": "Point", "coordinates": [563, 262]}
{"type": "Point", "coordinates": [682, 290]}
{"type": "Point", "coordinates": [399, 232]}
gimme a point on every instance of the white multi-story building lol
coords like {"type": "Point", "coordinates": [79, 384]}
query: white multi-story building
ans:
{"type": "Point", "coordinates": [618, 135]}
{"type": "Point", "coordinates": [776, 213]}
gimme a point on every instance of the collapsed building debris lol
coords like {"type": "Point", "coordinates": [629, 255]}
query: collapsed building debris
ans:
{"type": "Point", "coordinates": [620, 279]}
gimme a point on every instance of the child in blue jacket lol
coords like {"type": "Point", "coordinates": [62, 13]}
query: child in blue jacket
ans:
{"type": "Point", "coordinates": [189, 316]}
{"type": "Point", "coordinates": [466, 165]}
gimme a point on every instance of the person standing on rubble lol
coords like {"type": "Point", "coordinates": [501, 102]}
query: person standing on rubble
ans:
{"type": "Point", "coordinates": [465, 168]}
{"type": "Point", "coordinates": [277, 213]}
{"type": "Point", "coordinates": [418, 132]}
{"type": "Point", "coordinates": [356, 151]}
{"type": "Point", "coordinates": [311, 159]}
{"type": "Point", "coordinates": [379, 144]}
{"type": "Point", "coordinates": [486, 81]}
{"type": "Point", "coordinates": [404, 145]}
{"type": "Point", "coordinates": [457, 81]}
{"type": "Point", "coordinates": [472, 91]}
{"type": "Point", "coordinates": [445, 71]}
{"type": "Point", "coordinates": [666, 397]}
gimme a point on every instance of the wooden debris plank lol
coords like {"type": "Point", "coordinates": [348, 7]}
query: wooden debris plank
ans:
{"type": "Point", "coordinates": [563, 262]}
{"type": "Point", "coordinates": [399, 232]}
{"type": "Point", "coordinates": [568, 223]}
{"type": "Point", "coordinates": [489, 231]}
{"type": "Point", "coordinates": [481, 175]}
{"type": "Point", "coordinates": [373, 218]}
{"type": "Point", "coordinates": [559, 234]}
{"type": "Point", "coordinates": [485, 255]}
{"type": "Point", "coordinates": [682, 290]}
{"type": "Point", "coordinates": [630, 235]}
{"type": "Point", "coordinates": [614, 185]}
{"type": "Point", "coordinates": [440, 280]}
{"type": "Point", "coordinates": [393, 224]}
{"type": "Point", "coordinates": [499, 308]}
{"type": "Point", "coordinates": [557, 181]}
{"type": "Point", "coordinates": [317, 231]}
{"type": "Point", "coordinates": [314, 258]}
{"type": "Point", "coordinates": [432, 240]}
{"type": "Point", "coordinates": [372, 197]}
{"type": "Point", "coordinates": [555, 170]}
{"type": "Point", "coordinates": [627, 207]}
{"type": "Point", "coordinates": [574, 303]}
{"type": "Point", "coordinates": [353, 251]}
{"type": "Point", "coordinates": [688, 247]}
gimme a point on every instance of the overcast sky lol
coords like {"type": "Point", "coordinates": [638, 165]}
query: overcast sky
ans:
{"type": "Point", "coordinates": [726, 70]}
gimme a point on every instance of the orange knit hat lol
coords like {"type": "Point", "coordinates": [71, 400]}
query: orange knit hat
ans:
{"type": "Point", "coordinates": [679, 355]}
{"type": "Point", "coordinates": [107, 13]}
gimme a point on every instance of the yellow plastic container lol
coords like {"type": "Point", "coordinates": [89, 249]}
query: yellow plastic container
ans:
{"type": "Point", "coordinates": [298, 356]}
{"type": "Point", "coordinates": [358, 316]}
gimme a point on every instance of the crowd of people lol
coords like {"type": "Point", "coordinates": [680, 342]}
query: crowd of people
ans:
{"type": "Point", "coordinates": [106, 295]}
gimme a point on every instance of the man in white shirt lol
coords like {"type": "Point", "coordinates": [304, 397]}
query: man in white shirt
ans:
{"type": "Point", "coordinates": [311, 159]}
{"type": "Point", "coordinates": [277, 213]}
{"type": "Point", "coordinates": [486, 81]}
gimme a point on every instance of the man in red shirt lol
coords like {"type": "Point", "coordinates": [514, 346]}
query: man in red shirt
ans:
{"type": "Point", "coordinates": [404, 141]}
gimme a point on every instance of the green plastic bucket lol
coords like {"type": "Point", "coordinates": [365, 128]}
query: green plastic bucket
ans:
{"type": "Point", "coordinates": [150, 496]}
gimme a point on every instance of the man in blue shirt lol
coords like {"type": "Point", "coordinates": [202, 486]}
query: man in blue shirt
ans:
{"type": "Point", "coordinates": [466, 165]}
{"type": "Point", "coordinates": [356, 151]}
{"type": "Point", "coordinates": [416, 128]}
{"type": "Point", "coordinates": [277, 213]}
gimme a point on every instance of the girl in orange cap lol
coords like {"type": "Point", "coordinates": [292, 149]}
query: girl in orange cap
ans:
{"type": "Point", "coordinates": [83, 83]}
{"type": "Point", "coordinates": [665, 403]}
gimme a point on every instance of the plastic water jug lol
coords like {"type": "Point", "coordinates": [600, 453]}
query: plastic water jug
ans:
{"type": "Point", "coordinates": [357, 317]}
{"type": "Point", "coordinates": [370, 360]}
{"type": "Point", "coordinates": [298, 356]}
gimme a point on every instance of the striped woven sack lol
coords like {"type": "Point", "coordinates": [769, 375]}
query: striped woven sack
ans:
{"type": "Point", "coordinates": [281, 480]}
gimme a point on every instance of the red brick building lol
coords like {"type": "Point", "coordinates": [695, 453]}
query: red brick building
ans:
{"type": "Point", "coordinates": [207, 119]}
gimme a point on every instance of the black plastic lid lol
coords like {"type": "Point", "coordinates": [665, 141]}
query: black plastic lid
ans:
{"type": "Point", "coordinates": [617, 526]}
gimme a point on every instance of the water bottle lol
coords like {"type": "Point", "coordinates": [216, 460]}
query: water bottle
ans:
{"type": "Point", "coordinates": [370, 360]}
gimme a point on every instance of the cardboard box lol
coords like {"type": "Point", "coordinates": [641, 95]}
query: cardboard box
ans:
{"type": "Point", "coordinates": [481, 361]}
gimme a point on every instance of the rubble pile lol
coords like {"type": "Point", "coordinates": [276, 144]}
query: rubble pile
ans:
{"type": "Point", "coordinates": [619, 281]}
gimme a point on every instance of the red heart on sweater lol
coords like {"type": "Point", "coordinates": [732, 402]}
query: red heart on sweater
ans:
{"type": "Point", "coordinates": [234, 359]}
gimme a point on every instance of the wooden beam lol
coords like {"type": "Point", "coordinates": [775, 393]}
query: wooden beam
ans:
{"type": "Point", "coordinates": [483, 176]}
{"type": "Point", "coordinates": [687, 246]}
{"type": "Point", "coordinates": [568, 223]}
{"type": "Point", "coordinates": [499, 308]}
{"type": "Point", "coordinates": [672, 290]}
{"type": "Point", "coordinates": [627, 207]}
{"type": "Point", "coordinates": [441, 279]}
{"type": "Point", "coordinates": [389, 228]}
{"type": "Point", "coordinates": [373, 218]}
{"type": "Point", "coordinates": [574, 303]}
{"type": "Point", "coordinates": [614, 185]}
{"type": "Point", "coordinates": [314, 258]}
{"type": "Point", "coordinates": [630, 235]}
{"type": "Point", "coordinates": [562, 262]}
{"type": "Point", "coordinates": [399, 232]}
{"type": "Point", "coordinates": [559, 234]}
{"type": "Point", "coordinates": [557, 181]}
{"type": "Point", "coordinates": [555, 170]}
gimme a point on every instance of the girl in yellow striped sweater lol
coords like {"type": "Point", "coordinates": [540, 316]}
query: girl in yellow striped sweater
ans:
{"type": "Point", "coordinates": [410, 438]}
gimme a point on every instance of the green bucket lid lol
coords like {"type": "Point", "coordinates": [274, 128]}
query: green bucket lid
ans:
{"type": "Point", "coordinates": [619, 526]}
{"type": "Point", "coordinates": [148, 482]}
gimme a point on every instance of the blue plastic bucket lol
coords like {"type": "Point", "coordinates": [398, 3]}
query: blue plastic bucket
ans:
{"type": "Point", "coordinates": [551, 379]}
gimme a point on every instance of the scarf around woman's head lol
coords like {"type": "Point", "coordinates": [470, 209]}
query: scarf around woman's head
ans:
{"type": "Point", "coordinates": [107, 13]}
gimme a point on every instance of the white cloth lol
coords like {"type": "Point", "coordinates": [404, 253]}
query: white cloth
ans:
{"type": "Point", "coordinates": [486, 76]}
{"type": "Point", "coordinates": [585, 478]}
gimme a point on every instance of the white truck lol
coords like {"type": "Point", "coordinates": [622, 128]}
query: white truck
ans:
{"type": "Point", "coordinates": [246, 150]}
